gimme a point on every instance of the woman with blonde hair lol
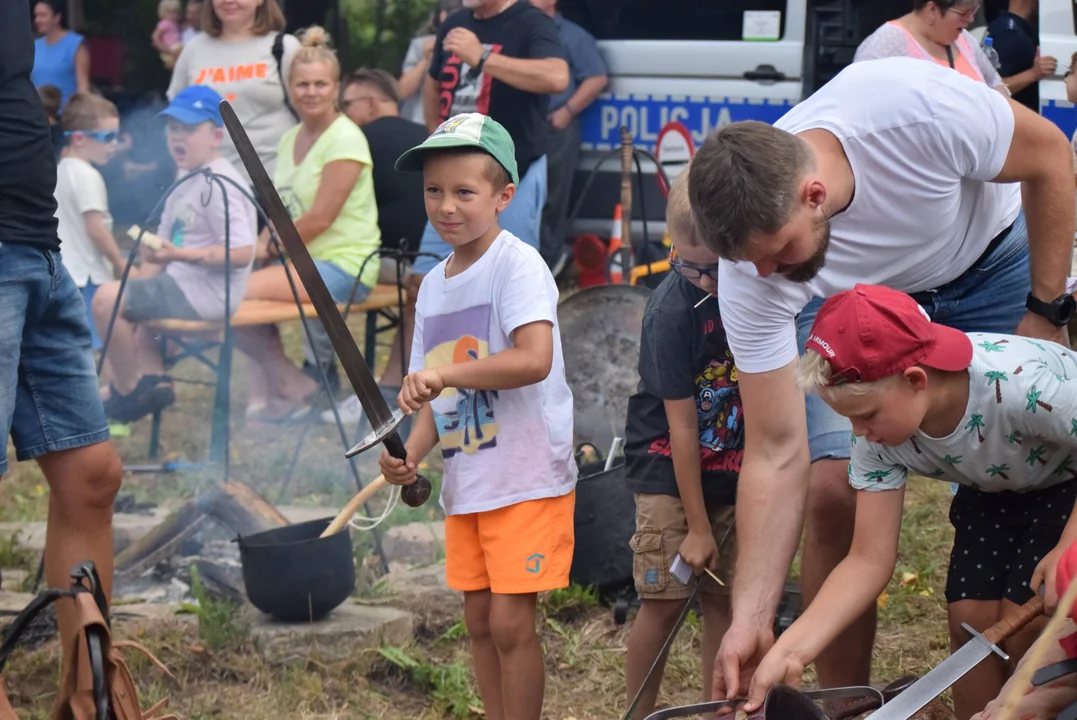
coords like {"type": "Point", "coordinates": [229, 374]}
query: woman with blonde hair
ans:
{"type": "Point", "coordinates": [323, 175]}
{"type": "Point", "coordinates": [243, 54]}
{"type": "Point", "coordinates": [935, 30]}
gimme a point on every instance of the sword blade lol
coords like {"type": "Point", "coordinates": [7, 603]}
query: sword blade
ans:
{"type": "Point", "coordinates": [355, 366]}
{"type": "Point", "coordinates": [934, 683]}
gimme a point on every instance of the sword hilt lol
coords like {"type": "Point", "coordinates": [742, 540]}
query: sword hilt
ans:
{"type": "Point", "coordinates": [414, 494]}
{"type": "Point", "coordinates": [417, 492]}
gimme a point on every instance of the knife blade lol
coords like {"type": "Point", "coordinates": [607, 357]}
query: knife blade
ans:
{"type": "Point", "coordinates": [383, 421]}
{"type": "Point", "coordinates": [953, 668]}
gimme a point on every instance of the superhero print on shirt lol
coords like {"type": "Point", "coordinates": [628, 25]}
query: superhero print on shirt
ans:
{"type": "Point", "coordinates": [721, 416]}
{"type": "Point", "coordinates": [718, 408]}
{"type": "Point", "coordinates": [464, 418]}
{"type": "Point", "coordinates": [461, 90]}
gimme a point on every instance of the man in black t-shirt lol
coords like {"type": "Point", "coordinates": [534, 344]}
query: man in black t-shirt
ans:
{"type": "Point", "coordinates": [370, 99]}
{"type": "Point", "coordinates": [1021, 65]}
{"type": "Point", "coordinates": [49, 402]}
{"type": "Point", "coordinates": [501, 58]}
{"type": "Point", "coordinates": [684, 440]}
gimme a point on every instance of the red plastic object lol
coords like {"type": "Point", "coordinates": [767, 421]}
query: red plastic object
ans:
{"type": "Point", "coordinates": [590, 254]}
{"type": "Point", "coordinates": [1064, 575]}
{"type": "Point", "coordinates": [106, 60]}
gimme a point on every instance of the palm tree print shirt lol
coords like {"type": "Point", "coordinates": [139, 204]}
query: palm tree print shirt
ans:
{"type": "Point", "coordinates": [1019, 431]}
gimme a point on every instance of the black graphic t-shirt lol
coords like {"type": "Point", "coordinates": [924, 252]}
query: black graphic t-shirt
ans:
{"type": "Point", "coordinates": [521, 31]}
{"type": "Point", "coordinates": [27, 160]}
{"type": "Point", "coordinates": [683, 354]}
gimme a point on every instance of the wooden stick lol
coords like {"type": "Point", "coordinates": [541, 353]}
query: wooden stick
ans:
{"type": "Point", "coordinates": [1021, 681]}
{"type": "Point", "coordinates": [150, 240]}
{"type": "Point", "coordinates": [353, 506]}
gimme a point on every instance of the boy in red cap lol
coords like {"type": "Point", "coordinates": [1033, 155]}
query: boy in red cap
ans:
{"type": "Point", "coordinates": [996, 414]}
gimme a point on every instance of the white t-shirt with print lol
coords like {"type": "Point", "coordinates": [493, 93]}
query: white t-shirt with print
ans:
{"type": "Point", "coordinates": [81, 189]}
{"type": "Point", "coordinates": [1019, 431]}
{"type": "Point", "coordinates": [500, 447]}
{"type": "Point", "coordinates": [923, 142]}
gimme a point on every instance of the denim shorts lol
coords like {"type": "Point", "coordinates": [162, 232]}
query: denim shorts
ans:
{"type": "Point", "coordinates": [522, 218]}
{"type": "Point", "coordinates": [88, 291]}
{"type": "Point", "coordinates": [989, 297]}
{"type": "Point", "coordinates": [339, 282]}
{"type": "Point", "coordinates": [48, 384]}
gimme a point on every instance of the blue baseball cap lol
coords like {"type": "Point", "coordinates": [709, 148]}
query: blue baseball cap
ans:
{"type": "Point", "coordinates": [194, 105]}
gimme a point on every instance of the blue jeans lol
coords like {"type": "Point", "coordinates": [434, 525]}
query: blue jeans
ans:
{"type": "Point", "coordinates": [522, 218]}
{"type": "Point", "coordinates": [988, 297]}
{"type": "Point", "coordinates": [49, 399]}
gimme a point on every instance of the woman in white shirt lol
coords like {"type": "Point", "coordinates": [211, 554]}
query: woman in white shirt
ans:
{"type": "Point", "coordinates": [235, 55]}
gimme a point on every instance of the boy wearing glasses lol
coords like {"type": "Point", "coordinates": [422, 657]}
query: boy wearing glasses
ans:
{"type": "Point", "coordinates": [683, 447]}
{"type": "Point", "coordinates": [90, 127]}
{"type": "Point", "coordinates": [183, 276]}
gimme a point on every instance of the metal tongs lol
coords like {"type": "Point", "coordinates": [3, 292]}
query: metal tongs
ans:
{"type": "Point", "coordinates": [786, 703]}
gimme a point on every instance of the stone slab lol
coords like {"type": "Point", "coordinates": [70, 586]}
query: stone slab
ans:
{"type": "Point", "coordinates": [423, 583]}
{"type": "Point", "coordinates": [126, 528]}
{"type": "Point", "coordinates": [414, 544]}
{"type": "Point", "coordinates": [334, 638]}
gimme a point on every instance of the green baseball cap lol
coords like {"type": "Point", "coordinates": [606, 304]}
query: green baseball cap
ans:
{"type": "Point", "coordinates": [466, 130]}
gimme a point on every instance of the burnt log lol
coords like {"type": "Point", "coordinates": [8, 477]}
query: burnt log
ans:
{"type": "Point", "coordinates": [233, 505]}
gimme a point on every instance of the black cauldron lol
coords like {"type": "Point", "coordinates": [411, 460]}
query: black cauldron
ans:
{"type": "Point", "coordinates": [296, 576]}
{"type": "Point", "coordinates": [604, 522]}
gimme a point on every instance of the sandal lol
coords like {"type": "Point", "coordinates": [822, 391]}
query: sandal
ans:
{"type": "Point", "coordinates": [152, 394]}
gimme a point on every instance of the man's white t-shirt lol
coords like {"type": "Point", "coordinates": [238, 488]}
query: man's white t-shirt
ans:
{"type": "Point", "coordinates": [1019, 431]}
{"type": "Point", "coordinates": [500, 447]}
{"type": "Point", "coordinates": [923, 142]}
{"type": "Point", "coordinates": [81, 189]}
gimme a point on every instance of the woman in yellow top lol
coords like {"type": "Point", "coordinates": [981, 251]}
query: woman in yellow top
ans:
{"type": "Point", "coordinates": [323, 175]}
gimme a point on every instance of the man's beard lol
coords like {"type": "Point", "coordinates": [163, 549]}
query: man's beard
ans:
{"type": "Point", "coordinates": [808, 269]}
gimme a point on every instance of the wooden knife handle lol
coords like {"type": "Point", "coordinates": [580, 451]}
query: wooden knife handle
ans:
{"type": "Point", "coordinates": [1006, 627]}
{"type": "Point", "coordinates": [353, 506]}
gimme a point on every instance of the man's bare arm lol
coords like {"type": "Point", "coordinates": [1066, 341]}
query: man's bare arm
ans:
{"type": "Point", "coordinates": [771, 492]}
{"type": "Point", "coordinates": [1041, 159]}
{"type": "Point", "coordinates": [544, 77]}
{"type": "Point", "coordinates": [430, 103]}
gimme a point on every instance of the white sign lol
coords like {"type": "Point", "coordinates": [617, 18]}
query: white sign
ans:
{"type": "Point", "coordinates": [762, 25]}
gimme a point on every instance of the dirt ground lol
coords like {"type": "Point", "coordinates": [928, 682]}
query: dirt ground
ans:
{"type": "Point", "coordinates": [218, 675]}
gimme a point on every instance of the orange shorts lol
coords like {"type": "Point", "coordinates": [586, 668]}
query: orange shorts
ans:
{"type": "Point", "coordinates": [521, 548]}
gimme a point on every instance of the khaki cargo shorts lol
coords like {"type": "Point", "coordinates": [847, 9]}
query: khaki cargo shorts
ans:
{"type": "Point", "coordinates": [661, 527]}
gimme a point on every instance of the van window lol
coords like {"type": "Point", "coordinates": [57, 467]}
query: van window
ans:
{"type": "Point", "coordinates": [667, 19]}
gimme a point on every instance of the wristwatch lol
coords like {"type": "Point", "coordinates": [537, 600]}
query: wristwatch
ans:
{"type": "Point", "coordinates": [1059, 312]}
{"type": "Point", "coordinates": [482, 59]}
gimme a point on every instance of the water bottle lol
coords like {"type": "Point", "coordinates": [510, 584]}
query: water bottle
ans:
{"type": "Point", "coordinates": [991, 52]}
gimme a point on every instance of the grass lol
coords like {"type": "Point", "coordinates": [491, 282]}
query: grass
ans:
{"type": "Point", "coordinates": [221, 676]}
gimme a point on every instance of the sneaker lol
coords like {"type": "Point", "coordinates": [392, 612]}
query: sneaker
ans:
{"type": "Point", "coordinates": [351, 412]}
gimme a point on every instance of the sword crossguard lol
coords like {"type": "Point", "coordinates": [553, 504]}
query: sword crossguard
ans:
{"type": "Point", "coordinates": [979, 637]}
{"type": "Point", "coordinates": [378, 435]}
{"type": "Point", "coordinates": [418, 492]}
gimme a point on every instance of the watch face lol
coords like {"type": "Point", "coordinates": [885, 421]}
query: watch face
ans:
{"type": "Point", "coordinates": [1066, 308]}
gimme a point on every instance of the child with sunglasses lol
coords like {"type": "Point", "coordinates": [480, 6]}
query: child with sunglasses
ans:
{"type": "Point", "coordinates": [684, 440]}
{"type": "Point", "coordinates": [90, 126]}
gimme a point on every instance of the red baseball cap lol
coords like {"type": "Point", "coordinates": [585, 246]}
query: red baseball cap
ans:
{"type": "Point", "coordinates": [872, 332]}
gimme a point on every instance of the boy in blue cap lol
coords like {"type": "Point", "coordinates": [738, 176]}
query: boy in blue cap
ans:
{"type": "Point", "coordinates": [184, 277]}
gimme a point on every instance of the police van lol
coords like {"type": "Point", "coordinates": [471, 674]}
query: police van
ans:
{"type": "Point", "coordinates": [705, 64]}
{"type": "Point", "coordinates": [1058, 21]}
